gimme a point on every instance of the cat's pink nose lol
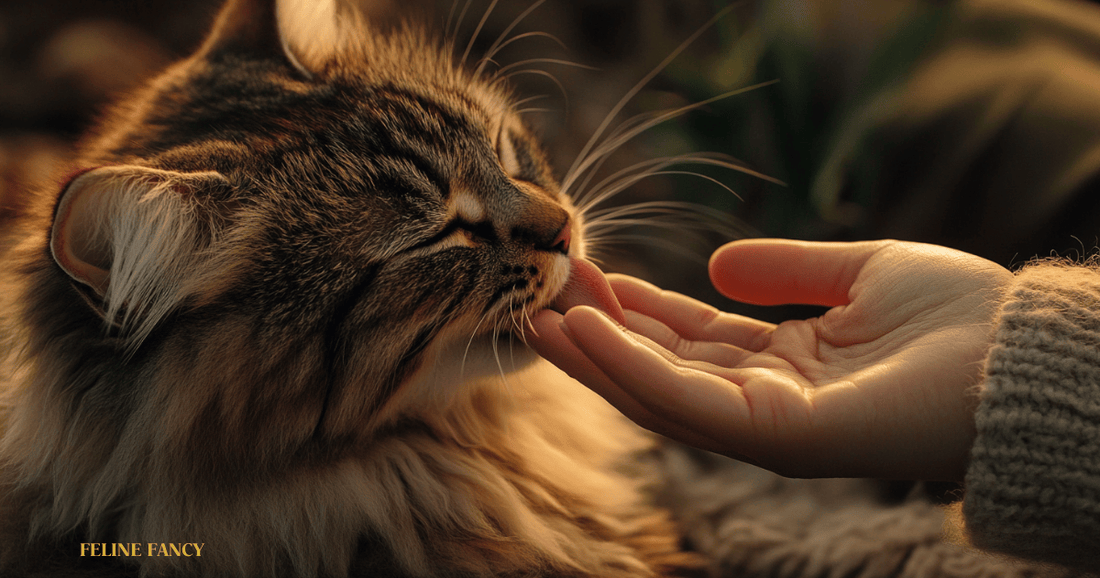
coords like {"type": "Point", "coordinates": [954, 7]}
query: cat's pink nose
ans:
{"type": "Point", "coordinates": [564, 239]}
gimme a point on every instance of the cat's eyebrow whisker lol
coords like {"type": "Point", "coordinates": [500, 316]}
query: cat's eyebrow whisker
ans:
{"type": "Point", "coordinates": [581, 159]}
{"type": "Point", "coordinates": [657, 207]}
{"type": "Point", "coordinates": [514, 65]}
{"type": "Point", "coordinates": [530, 110]}
{"type": "Point", "coordinates": [537, 72]}
{"type": "Point", "coordinates": [637, 125]}
{"type": "Point", "coordinates": [477, 32]}
{"type": "Point", "coordinates": [625, 178]}
{"type": "Point", "coordinates": [500, 42]}
{"type": "Point", "coordinates": [596, 194]}
{"type": "Point", "coordinates": [625, 183]}
{"type": "Point", "coordinates": [452, 35]}
{"type": "Point", "coordinates": [489, 57]}
{"type": "Point", "coordinates": [524, 101]}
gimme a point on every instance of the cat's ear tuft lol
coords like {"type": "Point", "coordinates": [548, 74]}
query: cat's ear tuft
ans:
{"type": "Point", "coordinates": [131, 234]}
{"type": "Point", "coordinates": [313, 32]}
{"type": "Point", "coordinates": [307, 34]}
{"type": "Point", "coordinates": [78, 245]}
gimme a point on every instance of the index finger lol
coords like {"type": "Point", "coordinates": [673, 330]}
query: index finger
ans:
{"type": "Point", "coordinates": [781, 272]}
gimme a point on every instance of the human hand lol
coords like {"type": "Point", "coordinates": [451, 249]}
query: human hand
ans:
{"type": "Point", "coordinates": [881, 385]}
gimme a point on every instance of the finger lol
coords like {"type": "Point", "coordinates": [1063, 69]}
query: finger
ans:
{"type": "Point", "coordinates": [690, 319]}
{"type": "Point", "coordinates": [554, 345]}
{"type": "Point", "coordinates": [703, 403]}
{"type": "Point", "coordinates": [711, 352]}
{"type": "Point", "coordinates": [777, 272]}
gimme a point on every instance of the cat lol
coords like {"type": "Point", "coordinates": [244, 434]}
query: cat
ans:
{"type": "Point", "coordinates": [277, 311]}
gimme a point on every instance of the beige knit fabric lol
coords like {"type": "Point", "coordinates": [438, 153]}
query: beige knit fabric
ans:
{"type": "Point", "coordinates": [1033, 487]}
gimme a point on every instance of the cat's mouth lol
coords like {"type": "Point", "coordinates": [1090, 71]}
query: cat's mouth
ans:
{"type": "Point", "coordinates": [587, 285]}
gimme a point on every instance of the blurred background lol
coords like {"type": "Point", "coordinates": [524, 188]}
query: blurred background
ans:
{"type": "Point", "coordinates": [974, 124]}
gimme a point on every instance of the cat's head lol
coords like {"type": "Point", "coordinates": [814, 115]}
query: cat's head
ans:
{"type": "Point", "coordinates": [285, 229]}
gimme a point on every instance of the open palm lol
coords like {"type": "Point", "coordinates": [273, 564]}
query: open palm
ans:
{"type": "Point", "coordinates": [880, 385]}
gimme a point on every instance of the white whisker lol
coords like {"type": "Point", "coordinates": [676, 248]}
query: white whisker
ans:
{"type": "Point", "coordinates": [470, 342]}
{"type": "Point", "coordinates": [525, 322]}
{"type": "Point", "coordinates": [496, 356]}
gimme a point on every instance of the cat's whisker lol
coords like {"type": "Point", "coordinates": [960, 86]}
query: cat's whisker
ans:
{"type": "Point", "coordinates": [582, 157]}
{"type": "Point", "coordinates": [489, 58]}
{"type": "Point", "coordinates": [620, 185]}
{"type": "Point", "coordinates": [653, 221]}
{"type": "Point", "coordinates": [512, 334]}
{"type": "Point", "coordinates": [496, 356]}
{"type": "Point", "coordinates": [656, 207]}
{"type": "Point", "coordinates": [622, 179]}
{"type": "Point", "coordinates": [512, 350]}
{"type": "Point", "coordinates": [524, 101]}
{"type": "Point", "coordinates": [500, 42]}
{"type": "Point", "coordinates": [470, 342]}
{"type": "Point", "coordinates": [477, 32]}
{"type": "Point", "coordinates": [537, 72]}
{"type": "Point", "coordinates": [531, 110]}
{"type": "Point", "coordinates": [672, 246]}
{"type": "Point", "coordinates": [505, 69]}
{"type": "Point", "coordinates": [640, 124]}
{"type": "Point", "coordinates": [456, 23]}
{"type": "Point", "coordinates": [691, 222]}
{"type": "Point", "coordinates": [512, 314]}
{"type": "Point", "coordinates": [596, 194]}
{"type": "Point", "coordinates": [525, 323]}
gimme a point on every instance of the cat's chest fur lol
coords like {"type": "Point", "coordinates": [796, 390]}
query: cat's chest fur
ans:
{"type": "Point", "coordinates": [278, 309]}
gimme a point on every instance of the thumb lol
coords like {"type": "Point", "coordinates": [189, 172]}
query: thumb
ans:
{"type": "Point", "coordinates": [782, 272]}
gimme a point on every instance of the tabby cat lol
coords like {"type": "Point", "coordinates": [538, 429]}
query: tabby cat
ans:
{"type": "Point", "coordinates": [277, 310]}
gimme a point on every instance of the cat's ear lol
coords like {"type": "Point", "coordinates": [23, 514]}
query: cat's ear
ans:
{"type": "Point", "coordinates": [306, 33]}
{"type": "Point", "coordinates": [313, 32]}
{"type": "Point", "coordinates": [130, 235]}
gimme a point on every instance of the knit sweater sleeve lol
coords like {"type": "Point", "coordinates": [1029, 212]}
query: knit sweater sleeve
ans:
{"type": "Point", "coordinates": [1033, 485]}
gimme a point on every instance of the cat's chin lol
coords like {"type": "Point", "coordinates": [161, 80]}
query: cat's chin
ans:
{"type": "Point", "coordinates": [483, 356]}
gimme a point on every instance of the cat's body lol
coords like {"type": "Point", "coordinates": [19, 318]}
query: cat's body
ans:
{"type": "Point", "coordinates": [277, 311]}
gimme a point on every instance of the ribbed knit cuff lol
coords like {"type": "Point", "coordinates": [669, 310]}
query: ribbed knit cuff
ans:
{"type": "Point", "coordinates": [1033, 486]}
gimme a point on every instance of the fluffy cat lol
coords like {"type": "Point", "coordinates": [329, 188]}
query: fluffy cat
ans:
{"type": "Point", "coordinates": [277, 310]}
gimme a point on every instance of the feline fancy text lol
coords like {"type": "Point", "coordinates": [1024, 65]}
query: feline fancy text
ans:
{"type": "Point", "coordinates": [137, 549]}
